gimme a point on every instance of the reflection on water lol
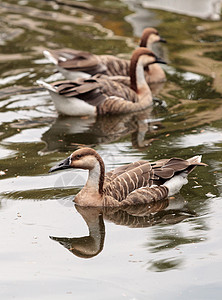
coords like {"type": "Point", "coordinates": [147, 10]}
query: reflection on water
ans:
{"type": "Point", "coordinates": [67, 133]}
{"type": "Point", "coordinates": [167, 211]}
{"type": "Point", "coordinates": [206, 9]}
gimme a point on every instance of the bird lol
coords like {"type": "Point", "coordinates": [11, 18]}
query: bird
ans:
{"type": "Point", "coordinates": [102, 95]}
{"type": "Point", "coordinates": [141, 182]}
{"type": "Point", "coordinates": [74, 64]}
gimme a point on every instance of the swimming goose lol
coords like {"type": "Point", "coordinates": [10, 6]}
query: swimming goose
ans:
{"type": "Point", "coordinates": [137, 183]}
{"type": "Point", "coordinates": [102, 95]}
{"type": "Point", "coordinates": [74, 64]}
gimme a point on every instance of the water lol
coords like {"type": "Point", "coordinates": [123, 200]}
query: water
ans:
{"type": "Point", "coordinates": [50, 248]}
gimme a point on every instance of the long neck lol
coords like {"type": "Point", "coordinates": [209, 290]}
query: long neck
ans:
{"type": "Point", "coordinates": [149, 44]}
{"type": "Point", "coordinates": [146, 41]}
{"type": "Point", "coordinates": [96, 176]}
{"type": "Point", "coordinates": [137, 79]}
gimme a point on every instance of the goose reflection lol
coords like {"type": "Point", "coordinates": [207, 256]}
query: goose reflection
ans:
{"type": "Point", "coordinates": [66, 133]}
{"type": "Point", "coordinates": [167, 211]}
{"type": "Point", "coordinates": [91, 245]}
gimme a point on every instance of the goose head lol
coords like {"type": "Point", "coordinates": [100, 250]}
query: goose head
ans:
{"type": "Point", "coordinates": [150, 36]}
{"type": "Point", "coordinates": [141, 58]}
{"type": "Point", "coordinates": [87, 159]}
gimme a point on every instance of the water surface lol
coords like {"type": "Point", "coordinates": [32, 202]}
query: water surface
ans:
{"type": "Point", "coordinates": [50, 248]}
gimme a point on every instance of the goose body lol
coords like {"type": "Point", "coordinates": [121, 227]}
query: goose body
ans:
{"type": "Point", "coordinates": [102, 95]}
{"type": "Point", "coordinates": [74, 64]}
{"type": "Point", "coordinates": [137, 183]}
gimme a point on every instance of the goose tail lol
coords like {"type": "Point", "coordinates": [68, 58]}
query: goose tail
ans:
{"type": "Point", "coordinates": [46, 85]}
{"type": "Point", "coordinates": [195, 161]}
{"type": "Point", "coordinates": [177, 181]}
{"type": "Point", "coordinates": [50, 57]}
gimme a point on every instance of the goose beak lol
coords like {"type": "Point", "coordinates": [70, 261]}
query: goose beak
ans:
{"type": "Point", "coordinates": [162, 40]}
{"type": "Point", "coordinates": [160, 61]}
{"type": "Point", "coordinates": [61, 166]}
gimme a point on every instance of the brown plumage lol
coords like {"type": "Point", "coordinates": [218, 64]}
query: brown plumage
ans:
{"type": "Point", "coordinates": [137, 183]}
{"type": "Point", "coordinates": [75, 63]}
{"type": "Point", "coordinates": [102, 95]}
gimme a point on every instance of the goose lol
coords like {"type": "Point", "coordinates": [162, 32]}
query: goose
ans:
{"type": "Point", "coordinates": [136, 183]}
{"type": "Point", "coordinates": [102, 95]}
{"type": "Point", "coordinates": [74, 64]}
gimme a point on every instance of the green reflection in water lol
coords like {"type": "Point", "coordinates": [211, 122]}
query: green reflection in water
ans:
{"type": "Point", "coordinates": [210, 38]}
{"type": "Point", "coordinates": [215, 55]}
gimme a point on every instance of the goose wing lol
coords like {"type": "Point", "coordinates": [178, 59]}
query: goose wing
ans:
{"type": "Point", "coordinates": [116, 86]}
{"type": "Point", "coordinates": [87, 90]}
{"type": "Point", "coordinates": [120, 79]}
{"type": "Point", "coordinates": [111, 175]}
{"type": "Point", "coordinates": [76, 60]}
{"type": "Point", "coordinates": [115, 66]}
{"type": "Point", "coordinates": [133, 185]}
{"type": "Point", "coordinates": [122, 183]}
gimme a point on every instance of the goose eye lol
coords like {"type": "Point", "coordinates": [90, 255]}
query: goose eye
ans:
{"type": "Point", "coordinates": [78, 156]}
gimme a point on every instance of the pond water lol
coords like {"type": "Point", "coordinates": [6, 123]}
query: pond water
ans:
{"type": "Point", "coordinates": [50, 248]}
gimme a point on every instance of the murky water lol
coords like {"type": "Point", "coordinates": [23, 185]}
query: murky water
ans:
{"type": "Point", "coordinates": [50, 248]}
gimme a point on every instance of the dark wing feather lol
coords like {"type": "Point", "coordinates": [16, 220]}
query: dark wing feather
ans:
{"type": "Point", "coordinates": [75, 60]}
{"type": "Point", "coordinates": [126, 182]}
{"type": "Point", "coordinates": [84, 89]}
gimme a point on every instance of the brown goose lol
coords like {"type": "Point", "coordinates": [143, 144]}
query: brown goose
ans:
{"type": "Point", "coordinates": [102, 95]}
{"type": "Point", "coordinates": [137, 183]}
{"type": "Point", "coordinates": [75, 64]}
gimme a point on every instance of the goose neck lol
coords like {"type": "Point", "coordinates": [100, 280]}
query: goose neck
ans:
{"type": "Point", "coordinates": [96, 176]}
{"type": "Point", "coordinates": [149, 45]}
{"type": "Point", "coordinates": [137, 78]}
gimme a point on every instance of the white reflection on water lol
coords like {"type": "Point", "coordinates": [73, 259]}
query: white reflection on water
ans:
{"type": "Point", "coordinates": [206, 137]}
{"type": "Point", "coordinates": [6, 153]}
{"type": "Point", "coordinates": [141, 18]}
{"type": "Point", "coordinates": [26, 136]}
{"type": "Point", "coordinates": [185, 75]}
{"type": "Point", "coordinates": [13, 78]}
{"type": "Point", "coordinates": [206, 9]}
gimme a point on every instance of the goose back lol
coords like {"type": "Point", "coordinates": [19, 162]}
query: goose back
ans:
{"type": "Point", "coordinates": [75, 60]}
{"type": "Point", "coordinates": [115, 66]}
{"type": "Point", "coordinates": [132, 184]}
